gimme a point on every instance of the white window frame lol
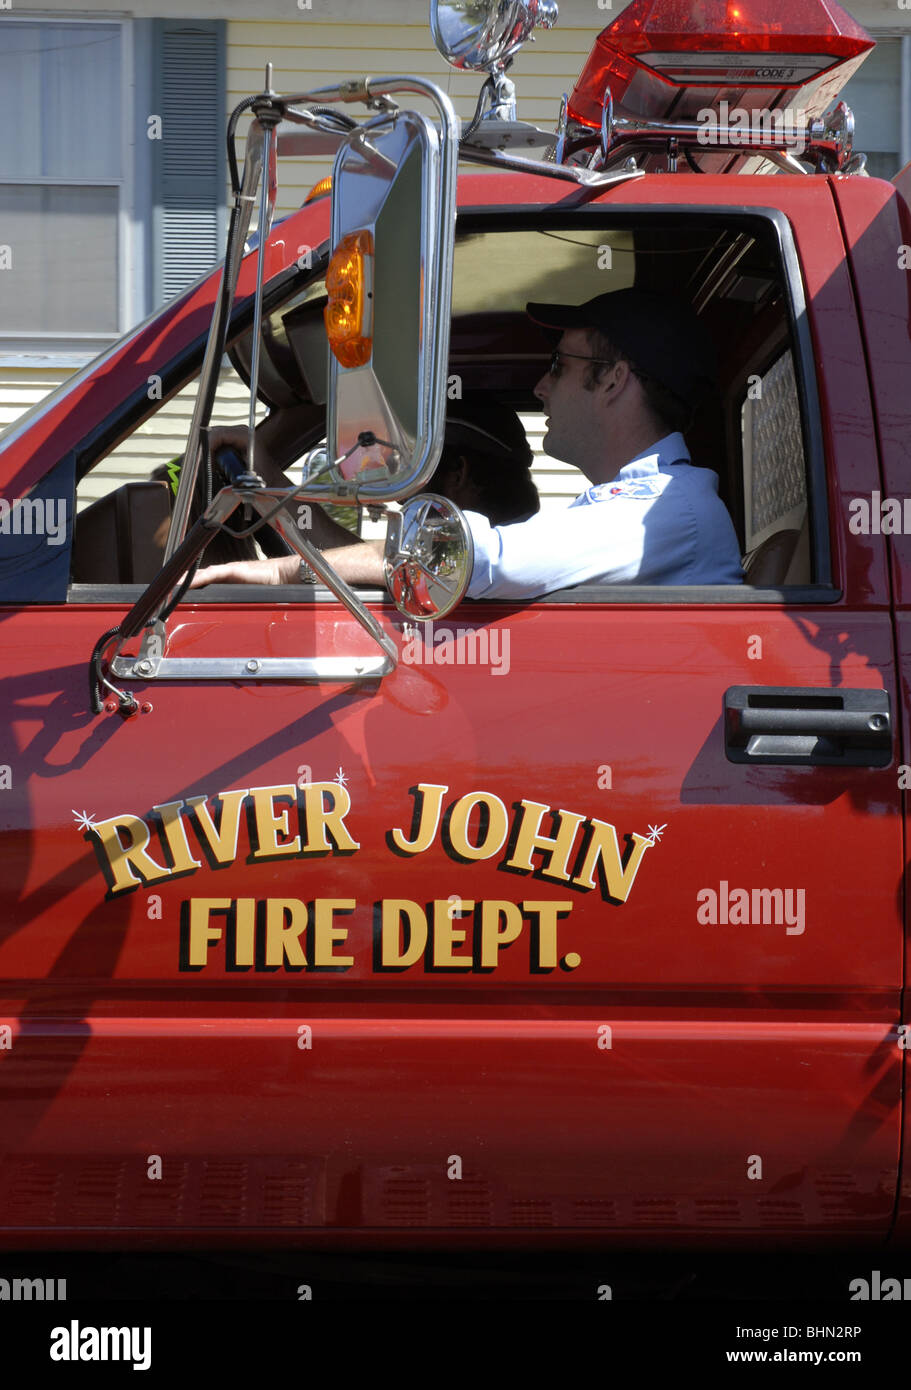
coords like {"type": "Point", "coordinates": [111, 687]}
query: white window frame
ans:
{"type": "Point", "coordinates": [46, 348]}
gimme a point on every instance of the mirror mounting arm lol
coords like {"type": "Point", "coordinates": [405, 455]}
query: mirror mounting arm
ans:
{"type": "Point", "coordinates": [241, 215]}
{"type": "Point", "coordinates": [145, 616]}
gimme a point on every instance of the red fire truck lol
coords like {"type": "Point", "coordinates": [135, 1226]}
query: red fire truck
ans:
{"type": "Point", "coordinates": [337, 916]}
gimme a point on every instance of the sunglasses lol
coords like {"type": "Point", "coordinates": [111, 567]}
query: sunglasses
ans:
{"type": "Point", "coordinates": [555, 366]}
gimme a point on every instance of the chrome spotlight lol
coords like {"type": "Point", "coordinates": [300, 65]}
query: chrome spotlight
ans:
{"type": "Point", "coordinates": [482, 34]}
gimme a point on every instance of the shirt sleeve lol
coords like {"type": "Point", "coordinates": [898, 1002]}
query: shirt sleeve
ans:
{"type": "Point", "coordinates": [603, 542]}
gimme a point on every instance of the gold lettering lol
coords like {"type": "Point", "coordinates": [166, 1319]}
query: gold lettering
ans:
{"type": "Point", "coordinates": [496, 831]}
{"type": "Point", "coordinates": [492, 937]}
{"type": "Point", "coordinates": [222, 840]}
{"type": "Point", "coordinates": [201, 930]}
{"type": "Point", "coordinates": [394, 909]}
{"type": "Point", "coordinates": [283, 942]}
{"type": "Point", "coordinates": [431, 806]}
{"type": "Point", "coordinates": [325, 933]}
{"type": "Point", "coordinates": [530, 839]}
{"type": "Point", "coordinates": [603, 846]}
{"type": "Point", "coordinates": [245, 931]}
{"type": "Point", "coordinates": [270, 821]}
{"type": "Point", "coordinates": [121, 857]}
{"type": "Point", "coordinates": [175, 832]}
{"type": "Point", "coordinates": [446, 935]}
{"type": "Point", "coordinates": [321, 818]}
{"type": "Point", "coordinates": [548, 914]}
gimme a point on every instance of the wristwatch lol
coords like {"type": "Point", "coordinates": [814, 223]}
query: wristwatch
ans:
{"type": "Point", "coordinates": [305, 574]}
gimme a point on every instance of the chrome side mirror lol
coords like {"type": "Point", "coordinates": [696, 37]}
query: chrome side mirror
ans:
{"type": "Point", "coordinates": [428, 558]}
{"type": "Point", "coordinates": [389, 284]}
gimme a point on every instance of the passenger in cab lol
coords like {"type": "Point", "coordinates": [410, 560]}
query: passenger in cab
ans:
{"type": "Point", "coordinates": [628, 371]}
{"type": "Point", "coordinates": [485, 465]}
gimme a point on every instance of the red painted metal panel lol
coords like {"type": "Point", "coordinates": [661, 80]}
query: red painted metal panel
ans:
{"type": "Point", "coordinates": [551, 1131]}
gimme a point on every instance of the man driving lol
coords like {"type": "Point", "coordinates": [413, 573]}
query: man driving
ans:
{"type": "Point", "coordinates": [626, 375]}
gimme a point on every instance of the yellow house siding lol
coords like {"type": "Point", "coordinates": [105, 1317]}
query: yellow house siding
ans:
{"type": "Point", "coordinates": [23, 387]}
{"type": "Point", "coordinates": [163, 436]}
{"type": "Point", "coordinates": [557, 482]}
{"type": "Point", "coordinates": [309, 52]}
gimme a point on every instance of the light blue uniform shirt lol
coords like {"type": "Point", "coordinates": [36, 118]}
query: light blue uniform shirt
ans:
{"type": "Point", "coordinates": [660, 521]}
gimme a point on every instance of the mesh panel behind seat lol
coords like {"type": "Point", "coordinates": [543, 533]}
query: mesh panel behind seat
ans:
{"type": "Point", "coordinates": [775, 473]}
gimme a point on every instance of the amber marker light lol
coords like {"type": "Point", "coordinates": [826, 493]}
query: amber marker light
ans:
{"type": "Point", "coordinates": [319, 190]}
{"type": "Point", "coordinates": [349, 313]}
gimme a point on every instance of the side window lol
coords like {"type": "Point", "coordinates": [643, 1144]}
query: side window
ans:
{"type": "Point", "coordinates": [124, 501]}
{"type": "Point", "coordinates": [123, 504]}
{"type": "Point", "coordinates": [755, 438]}
{"type": "Point", "coordinates": [162, 436]}
{"type": "Point", "coordinates": [757, 434]}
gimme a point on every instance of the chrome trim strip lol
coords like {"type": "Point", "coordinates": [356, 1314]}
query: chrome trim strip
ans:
{"type": "Point", "coordinates": [264, 668]}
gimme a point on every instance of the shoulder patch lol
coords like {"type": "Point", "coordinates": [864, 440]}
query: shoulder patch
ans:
{"type": "Point", "coordinates": [635, 487]}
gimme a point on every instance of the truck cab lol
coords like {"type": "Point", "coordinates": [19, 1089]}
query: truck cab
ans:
{"type": "Point", "coordinates": [328, 919]}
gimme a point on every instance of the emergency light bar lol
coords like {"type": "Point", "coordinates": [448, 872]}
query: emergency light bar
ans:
{"type": "Point", "coordinates": [655, 51]}
{"type": "Point", "coordinates": [663, 61]}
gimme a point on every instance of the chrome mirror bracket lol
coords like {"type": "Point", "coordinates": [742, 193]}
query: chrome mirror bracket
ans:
{"type": "Point", "coordinates": [152, 661]}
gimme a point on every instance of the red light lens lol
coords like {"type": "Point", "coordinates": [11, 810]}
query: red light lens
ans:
{"type": "Point", "coordinates": [656, 47]}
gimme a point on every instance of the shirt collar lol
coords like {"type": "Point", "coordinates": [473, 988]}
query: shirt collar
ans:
{"type": "Point", "coordinates": [671, 449]}
{"type": "Point", "coordinates": [656, 458]}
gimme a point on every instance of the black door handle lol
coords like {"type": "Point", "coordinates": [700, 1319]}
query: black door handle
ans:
{"type": "Point", "coordinates": [807, 725]}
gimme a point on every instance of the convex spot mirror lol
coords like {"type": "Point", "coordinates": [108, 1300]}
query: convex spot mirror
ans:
{"type": "Point", "coordinates": [428, 557]}
{"type": "Point", "coordinates": [389, 284]}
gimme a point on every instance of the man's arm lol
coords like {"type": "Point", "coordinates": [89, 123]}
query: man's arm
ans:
{"type": "Point", "coordinates": [554, 550]}
{"type": "Point", "coordinates": [361, 563]}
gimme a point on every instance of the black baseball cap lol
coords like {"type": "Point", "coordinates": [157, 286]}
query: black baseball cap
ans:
{"type": "Point", "coordinates": [660, 334]}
